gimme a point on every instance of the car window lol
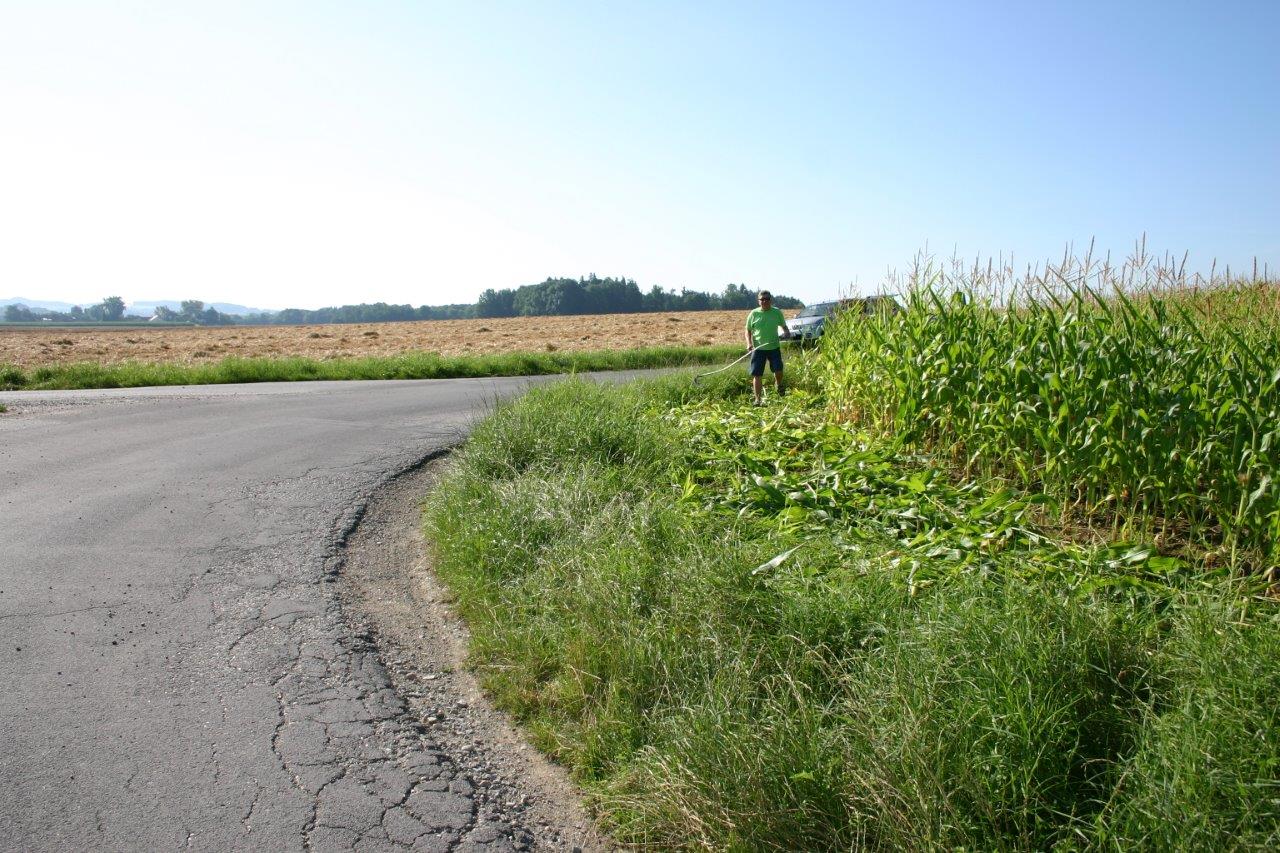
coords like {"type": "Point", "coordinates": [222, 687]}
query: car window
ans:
{"type": "Point", "coordinates": [820, 309]}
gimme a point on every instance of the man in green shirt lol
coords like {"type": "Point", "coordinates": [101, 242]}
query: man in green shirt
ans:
{"type": "Point", "coordinates": [762, 339]}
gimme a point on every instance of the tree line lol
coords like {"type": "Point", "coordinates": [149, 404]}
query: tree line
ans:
{"type": "Point", "coordinates": [375, 312]}
{"type": "Point", "coordinates": [555, 296]}
{"type": "Point", "coordinates": [111, 310]}
{"type": "Point", "coordinates": [593, 295]}
{"type": "Point", "coordinates": [108, 310]}
{"type": "Point", "coordinates": [193, 311]}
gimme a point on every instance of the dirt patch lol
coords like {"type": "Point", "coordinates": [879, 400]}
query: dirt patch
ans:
{"type": "Point", "coordinates": [387, 588]}
{"type": "Point", "coordinates": [29, 348]}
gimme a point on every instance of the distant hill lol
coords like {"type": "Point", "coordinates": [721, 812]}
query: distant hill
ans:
{"type": "Point", "coordinates": [41, 304]}
{"type": "Point", "coordinates": [147, 308]}
{"type": "Point", "coordinates": [140, 308]}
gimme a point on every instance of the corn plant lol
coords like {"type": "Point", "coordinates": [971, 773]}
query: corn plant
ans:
{"type": "Point", "coordinates": [1127, 399]}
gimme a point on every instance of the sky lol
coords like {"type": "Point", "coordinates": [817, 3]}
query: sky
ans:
{"type": "Point", "coordinates": [302, 154]}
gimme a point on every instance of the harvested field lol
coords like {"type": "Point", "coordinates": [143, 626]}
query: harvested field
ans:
{"type": "Point", "coordinates": [30, 348]}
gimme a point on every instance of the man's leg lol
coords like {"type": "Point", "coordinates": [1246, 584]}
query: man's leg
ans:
{"type": "Point", "coordinates": [777, 383]}
{"type": "Point", "coordinates": [757, 375]}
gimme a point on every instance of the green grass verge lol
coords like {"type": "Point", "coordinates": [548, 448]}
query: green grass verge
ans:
{"type": "Point", "coordinates": [753, 628]}
{"type": "Point", "coordinates": [419, 365]}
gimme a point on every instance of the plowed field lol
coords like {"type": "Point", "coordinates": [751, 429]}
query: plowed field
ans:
{"type": "Point", "coordinates": [28, 348]}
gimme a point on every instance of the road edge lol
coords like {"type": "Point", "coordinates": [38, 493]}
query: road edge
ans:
{"type": "Point", "coordinates": [377, 558]}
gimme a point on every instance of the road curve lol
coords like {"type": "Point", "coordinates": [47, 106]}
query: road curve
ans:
{"type": "Point", "coordinates": [176, 673]}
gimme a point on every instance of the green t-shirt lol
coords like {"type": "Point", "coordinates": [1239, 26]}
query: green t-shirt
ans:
{"type": "Point", "coordinates": [763, 324]}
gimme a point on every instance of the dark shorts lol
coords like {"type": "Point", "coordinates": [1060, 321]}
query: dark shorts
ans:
{"type": "Point", "coordinates": [758, 358]}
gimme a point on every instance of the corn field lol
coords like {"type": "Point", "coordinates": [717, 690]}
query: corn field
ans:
{"type": "Point", "coordinates": [1134, 396]}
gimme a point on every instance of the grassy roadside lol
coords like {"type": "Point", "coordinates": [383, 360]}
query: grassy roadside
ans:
{"type": "Point", "coordinates": [406, 366]}
{"type": "Point", "coordinates": [768, 629]}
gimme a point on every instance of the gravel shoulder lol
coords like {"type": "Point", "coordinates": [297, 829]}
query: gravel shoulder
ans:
{"type": "Point", "coordinates": [389, 593]}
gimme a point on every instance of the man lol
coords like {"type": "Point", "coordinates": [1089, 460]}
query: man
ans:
{"type": "Point", "coordinates": [762, 339]}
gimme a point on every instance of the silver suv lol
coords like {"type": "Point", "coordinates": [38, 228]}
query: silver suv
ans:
{"type": "Point", "coordinates": [807, 325]}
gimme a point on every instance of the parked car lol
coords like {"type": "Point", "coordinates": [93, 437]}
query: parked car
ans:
{"type": "Point", "coordinates": [808, 324]}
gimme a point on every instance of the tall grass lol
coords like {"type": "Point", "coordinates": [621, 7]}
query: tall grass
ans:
{"type": "Point", "coordinates": [1133, 396]}
{"type": "Point", "coordinates": [723, 674]}
{"type": "Point", "coordinates": [1204, 773]}
{"type": "Point", "coordinates": [414, 365]}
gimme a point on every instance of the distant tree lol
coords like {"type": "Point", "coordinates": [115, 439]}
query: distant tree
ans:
{"type": "Point", "coordinates": [456, 311]}
{"type": "Point", "coordinates": [213, 317]}
{"type": "Point", "coordinates": [695, 300]}
{"type": "Point", "coordinates": [18, 313]}
{"type": "Point", "coordinates": [564, 296]}
{"type": "Point", "coordinates": [113, 307]}
{"type": "Point", "coordinates": [737, 296]}
{"type": "Point", "coordinates": [496, 303]}
{"type": "Point", "coordinates": [77, 313]}
{"type": "Point", "coordinates": [656, 299]}
{"type": "Point", "coordinates": [194, 311]}
{"type": "Point", "coordinates": [613, 296]}
{"type": "Point", "coordinates": [532, 300]}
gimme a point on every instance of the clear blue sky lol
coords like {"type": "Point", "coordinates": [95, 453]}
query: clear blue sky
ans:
{"type": "Point", "coordinates": [313, 153]}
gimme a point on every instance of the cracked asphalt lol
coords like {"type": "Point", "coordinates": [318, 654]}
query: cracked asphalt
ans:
{"type": "Point", "coordinates": [176, 669]}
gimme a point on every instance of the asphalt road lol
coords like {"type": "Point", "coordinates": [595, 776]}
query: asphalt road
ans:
{"type": "Point", "coordinates": [175, 672]}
